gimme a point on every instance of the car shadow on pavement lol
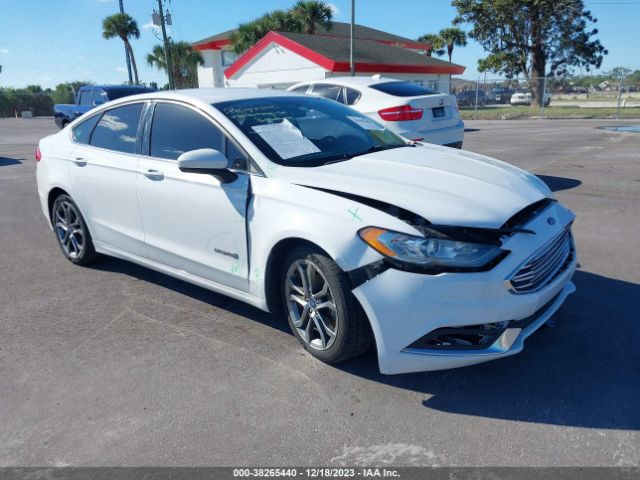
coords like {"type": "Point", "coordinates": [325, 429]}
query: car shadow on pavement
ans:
{"type": "Point", "coordinates": [557, 184]}
{"type": "Point", "coordinates": [111, 264]}
{"type": "Point", "coordinates": [4, 161]}
{"type": "Point", "coordinates": [584, 372]}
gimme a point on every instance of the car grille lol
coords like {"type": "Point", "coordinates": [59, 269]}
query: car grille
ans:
{"type": "Point", "coordinates": [544, 265]}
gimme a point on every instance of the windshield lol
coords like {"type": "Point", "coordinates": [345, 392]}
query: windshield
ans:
{"type": "Point", "coordinates": [307, 131]}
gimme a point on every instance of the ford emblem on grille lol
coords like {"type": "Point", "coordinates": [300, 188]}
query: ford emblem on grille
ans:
{"type": "Point", "coordinates": [551, 221]}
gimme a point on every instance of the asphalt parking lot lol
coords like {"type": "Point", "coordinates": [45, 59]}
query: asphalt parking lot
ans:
{"type": "Point", "coordinates": [118, 365]}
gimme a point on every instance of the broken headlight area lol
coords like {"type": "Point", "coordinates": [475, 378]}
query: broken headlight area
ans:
{"type": "Point", "coordinates": [432, 253]}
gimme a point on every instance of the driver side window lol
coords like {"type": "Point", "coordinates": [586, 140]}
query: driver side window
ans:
{"type": "Point", "coordinates": [177, 129]}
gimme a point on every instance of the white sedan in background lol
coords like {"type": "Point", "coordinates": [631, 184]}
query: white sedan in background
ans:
{"type": "Point", "coordinates": [405, 108]}
{"type": "Point", "coordinates": [525, 98]}
{"type": "Point", "coordinates": [296, 204]}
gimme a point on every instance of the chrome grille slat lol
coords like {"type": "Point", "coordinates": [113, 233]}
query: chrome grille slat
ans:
{"type": "Point", "coordinates": [551, 262]}
{"type": "Point", "coordinates": [544, 265]}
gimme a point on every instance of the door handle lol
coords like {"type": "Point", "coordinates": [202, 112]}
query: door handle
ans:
{"type": "Point", "coordinates": [79, 161]}
{"type": "Point", "coordinates": [152, 174]}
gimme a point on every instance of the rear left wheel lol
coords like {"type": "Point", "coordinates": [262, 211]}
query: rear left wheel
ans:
{"type": "Point", "coordinates": [72, 232]}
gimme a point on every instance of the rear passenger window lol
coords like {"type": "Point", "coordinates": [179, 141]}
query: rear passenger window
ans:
{"type": "Point", "coordinates": [177, 129]}
{"type": "Point", "coordinates": [328, 91]}
{"type": "Point", "coordinates": [302, 89]}
{"type": "Point", "coordinates": [351, 95]}
{"type": "Point", "coordinates": [82, 131]}
{"type": "Point", "coordinates": [118, 128]}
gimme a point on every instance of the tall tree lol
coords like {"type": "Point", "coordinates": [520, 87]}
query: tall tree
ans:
{"type": "Point", "coordinates": [453, 37]}
{"type": "Point", "coordinates": [435, 41]}
{"type": "Point", "coordinates": [123, 26]}
{"type": "Point", "coordinates": [313, 14]}
{"type": "Point", "coordinates": [303, 17]}
{"type": "Point", "coordinates": [535, 38]}
{"type": "Point", "coordinates": [185, 61]}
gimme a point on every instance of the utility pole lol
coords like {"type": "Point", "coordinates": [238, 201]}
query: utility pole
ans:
{"type": "Point", "coordinates": [352, 65]}
{"type": "Point", "coordinates": [126, 52]}
{"type": "Point", "coordinates": [167, 47]}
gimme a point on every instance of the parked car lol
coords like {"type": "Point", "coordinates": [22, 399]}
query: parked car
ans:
{"type": "Point", "coordinates": [499, 95]}
{"type": "Point", "coordinates": [91, 96]}
{"type": "Point", "coordinates": [468, 98]}
{"type": "Point", "coordinates": [408, 109]}
{"type": "Point", "coordinates": [524, 98]}
{"type": "Point", "coordinates": [301, 205]}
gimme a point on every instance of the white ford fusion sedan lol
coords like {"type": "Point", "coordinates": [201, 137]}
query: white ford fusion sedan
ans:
{"type": "Point", "coordinates": [441, 258]}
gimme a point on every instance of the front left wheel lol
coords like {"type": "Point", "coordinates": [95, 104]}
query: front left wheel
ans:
{"type": "Point", "coordinates": [72, 232]}
{"type": "Point", "coordinates": [323, 314]}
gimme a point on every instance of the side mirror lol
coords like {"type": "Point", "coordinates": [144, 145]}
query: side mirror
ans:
{"type": "Point", "coordinates": [206, 160]}
{"type": "Point", "coordinates": [95, 103]}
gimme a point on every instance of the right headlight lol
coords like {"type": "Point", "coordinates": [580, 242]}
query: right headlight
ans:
{"type": "Point", "coordinates": [430, 251]}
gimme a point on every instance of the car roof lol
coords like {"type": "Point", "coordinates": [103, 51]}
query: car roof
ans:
{"type": "Point", "coordinates": [354, 81]}
{"type": "Point", "coordinates": [208, 95]}
{"type": "Point", "coordinates": [117, 87]}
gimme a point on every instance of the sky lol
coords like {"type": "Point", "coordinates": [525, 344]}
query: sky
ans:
{"type": "Point", "coordinates": [47, 42]}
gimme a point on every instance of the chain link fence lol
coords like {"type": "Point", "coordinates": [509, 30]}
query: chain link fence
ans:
{"type": "Point", "coordinates": [505, 96]}
{"type": "Point", "coordinates": [21, 104]}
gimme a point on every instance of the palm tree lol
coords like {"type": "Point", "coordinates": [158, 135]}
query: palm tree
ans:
{"type": "Point", "coordinates": [453, 36]}
{"type": "Point", "coordinates": [185, 61]}
{"type": "Point", "coordinates": [313, 14]}
{"type": "Point", "coordinates": [124, 27]}
{"type": "Point", "coordinates": [436, 42]}
{"type": "Point", "coordinates": [306, 16]}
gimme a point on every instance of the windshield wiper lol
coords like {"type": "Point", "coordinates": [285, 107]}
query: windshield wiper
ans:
{"type": "Point", "coordinates": [377, 148]}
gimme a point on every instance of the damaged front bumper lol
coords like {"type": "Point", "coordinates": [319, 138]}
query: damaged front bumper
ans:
{"type": "Point", "coordinates": [431, 322]}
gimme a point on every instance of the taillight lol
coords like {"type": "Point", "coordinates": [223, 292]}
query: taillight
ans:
{"type": "Point", "coordinates": [38, 154]}
{"type": "Point", "coordinates": [401, 114]}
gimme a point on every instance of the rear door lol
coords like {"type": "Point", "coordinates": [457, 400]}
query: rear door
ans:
{"type": "Point", "coordinates": [193, 222]}
{"type": "Point", "coordinates": [103, 173]}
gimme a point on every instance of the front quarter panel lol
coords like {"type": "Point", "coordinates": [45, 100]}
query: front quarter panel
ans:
{"type": "Point", "coordinates": [280, 210]}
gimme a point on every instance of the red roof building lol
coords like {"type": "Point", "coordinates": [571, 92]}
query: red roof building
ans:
{"type": "Point", "coordinates": [281, 59]}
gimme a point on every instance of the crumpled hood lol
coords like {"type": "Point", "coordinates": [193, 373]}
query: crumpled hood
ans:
{"type": "Point", "coordinates": [443, 185]}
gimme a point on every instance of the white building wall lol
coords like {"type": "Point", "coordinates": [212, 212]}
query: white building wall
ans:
{"type": "Point", "coordinates": [211, 74]}
{"type": "Point", "coordinates": [276, 67]}
{"type": "Point", "coordinates": [279, 67]}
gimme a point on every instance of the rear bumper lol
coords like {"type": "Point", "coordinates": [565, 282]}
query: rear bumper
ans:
{"type": "Point", "coordinates": [448, 136]}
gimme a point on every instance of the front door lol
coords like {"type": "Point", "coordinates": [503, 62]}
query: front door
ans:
{"type": "Point", "coordinates": [192, 221]}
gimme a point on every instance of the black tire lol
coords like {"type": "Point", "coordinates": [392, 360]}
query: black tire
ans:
{"type": "Point", "coordinates": [353, 335]}
{"type": "Point", "coordinates": [75, 242]}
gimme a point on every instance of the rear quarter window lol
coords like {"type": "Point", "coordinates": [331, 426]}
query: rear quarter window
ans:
{"type": "Point", "coordinates": [351, 95]}
{"type": "Point", "coordinates": [403, 89]}
{"type": "Point", "coordinates": [82, 132]}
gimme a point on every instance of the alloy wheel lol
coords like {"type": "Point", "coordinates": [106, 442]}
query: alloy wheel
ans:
{"type": "Point", "coordinates": [311, 304]}
{"type": "Point", "coordinates": [69, 229]}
